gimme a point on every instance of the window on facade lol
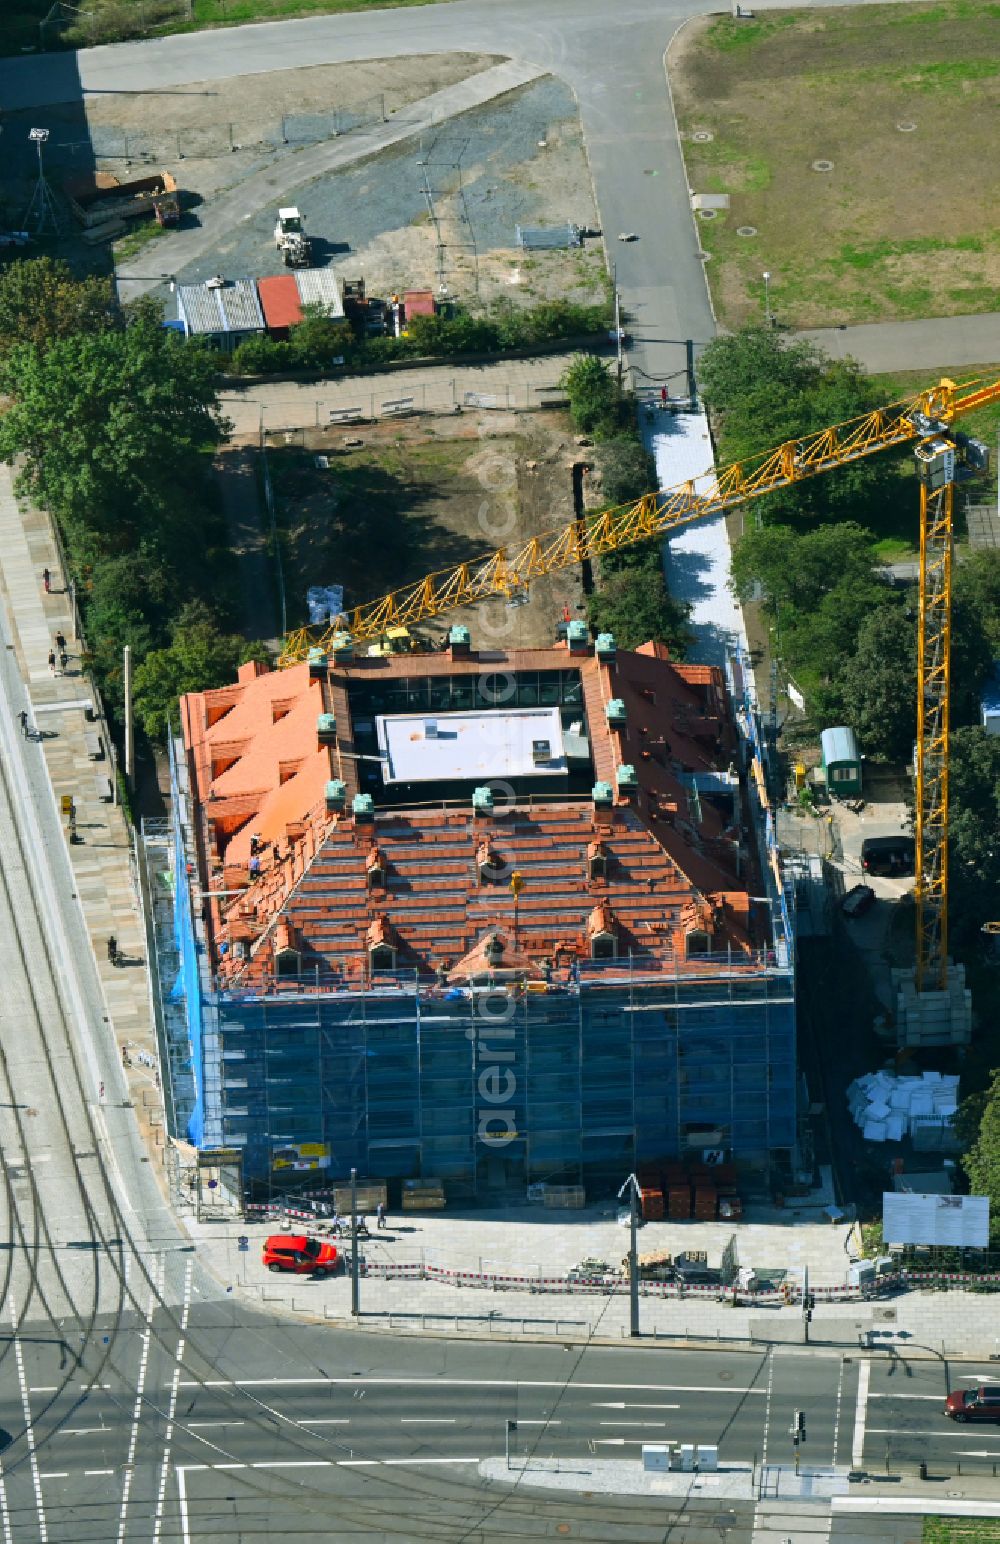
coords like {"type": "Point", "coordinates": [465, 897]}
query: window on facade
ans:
{"type": "Point", "coordinates": [603, 947]}
{"type": "Point", "coordinates": [383, 958]}
{"type": "Point", "coordinates": [697, 942]}
{"type": "Point", "coordinates": [288, 962]}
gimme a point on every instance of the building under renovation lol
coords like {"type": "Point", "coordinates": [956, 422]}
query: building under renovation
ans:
{"type": "Point", "coordinates": [494, 918]}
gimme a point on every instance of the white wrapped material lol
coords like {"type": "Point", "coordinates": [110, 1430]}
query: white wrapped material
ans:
{"type": "Point", "coordinates": [874, 1131]}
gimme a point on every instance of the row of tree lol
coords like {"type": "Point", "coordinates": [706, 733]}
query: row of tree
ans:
{"type": "Point", "coordinates": [631, 600]}
{"type": "Point", "coordinates": [317, 339]}
{"type": "Point", "coordinates": [113, 423]}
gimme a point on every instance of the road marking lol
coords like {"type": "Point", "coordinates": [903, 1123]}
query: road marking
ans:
{"type": "Point", "coordinates": [44, 1388]}
{"type": "Point", "coordinates": [98, 1471]}
{"type": "Point", "coordinates": [326, 1420]}
{"type": "Point", "coordinates": [196, 1425]}
{"type": "Point", "coordinates": [172, 1407]}
{"type": "Point", "coordinates": [894, 1397]}
{"type": "Point", "coordinates": [182, 1506]}
{"type": "Point", "coordinates": [975, 1453]}
{"type": "Point", "coordinates": [4, 1510]}
{"type": "Point", "coordinates": [469, 1383]}
{"type": "Point", "coordinates": [767, 1406]}
{"type": "Point", "coordinates": [427, 1420]}
{"type": "Point", "coordinates": [293, 1463]}
{"type": "Point", "coordinates": [836, 1413]}
{"type": "Point", "coordinates": [652, 1425]}
{"type": "Point", "coordinates": [82, 1431]}
{"type": "Point", "coordinates": [940, 1431]}
{"type": "Point", "coordinates": [937, 1506]}
{"type": "Point", "coordinates": [622, 1406]}
{"type": "Point", "coordinates": [54, 1474]}
{"type": "Point", "coordinates": [522, 1421]}
{"type": "Point", "coordinates": [140, 1384]}
{"type": "Point", "coordinates": [860, 1414]}
{"type": "Point", "coordinates": [390, 1461]}
{"type": "Point", "coordinates": [29, 1430]}
{"type": "Point", "coordinates": [618, 1441]}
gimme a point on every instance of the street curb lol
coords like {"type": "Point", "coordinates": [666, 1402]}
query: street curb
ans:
{"type": "Point", "coordinates": [680, 146]}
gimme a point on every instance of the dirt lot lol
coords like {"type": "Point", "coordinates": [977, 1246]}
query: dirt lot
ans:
{"type": "Point", "coordinates": [858, 147]}
{"type": "Point", "coordinates": [442, 209]}
{"type": "Point", "coordinates": [426, 493]}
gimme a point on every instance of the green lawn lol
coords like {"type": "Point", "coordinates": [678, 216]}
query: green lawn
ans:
{"type": "Point", "coordinates": [961, 1530]}
{"type": "Point", "coordinates": [821, 125]}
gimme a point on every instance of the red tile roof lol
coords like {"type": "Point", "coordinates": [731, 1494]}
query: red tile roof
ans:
{"type": "Point", "coordinates": [279, 301]}
{"type": "Point", "coordinates": [413, 877]}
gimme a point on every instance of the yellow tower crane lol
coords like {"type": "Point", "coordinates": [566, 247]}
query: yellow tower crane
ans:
{"type": "Point", "coordinates": [941, 454]}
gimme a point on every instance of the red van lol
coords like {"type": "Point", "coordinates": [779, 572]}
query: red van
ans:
{"type": "Point", "coordinates": [299, 1253]}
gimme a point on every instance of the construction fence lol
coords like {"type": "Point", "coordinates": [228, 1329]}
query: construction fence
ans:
{"type": "Point", "coordinates": [287, 420]}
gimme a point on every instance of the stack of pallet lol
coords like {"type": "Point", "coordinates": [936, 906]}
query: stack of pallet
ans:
{"type": "Point", "coordinates": [423, 1195]}
{"type": "Point", "coordinates": [677, 1188]}
{"type": "Point", "coordinates": [556, 1196]}
{"type": "Point", "coordinates": [706, 1200]}
{"type": "Point", "coordinates": [652, 1204]}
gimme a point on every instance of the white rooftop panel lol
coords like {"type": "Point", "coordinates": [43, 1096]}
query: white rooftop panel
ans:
{"type": "Point", "coordinates": [447, 747]}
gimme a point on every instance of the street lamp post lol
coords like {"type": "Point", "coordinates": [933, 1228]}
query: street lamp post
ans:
{"type": "Point", "coordinates": [768, 318]}
{"type": "Point", "coordinates": [632, 1186]}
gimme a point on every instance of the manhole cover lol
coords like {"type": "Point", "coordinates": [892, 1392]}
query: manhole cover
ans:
{"type": "Point", "coordinates": [706, 257]}
{"type": "Point", "coordinates": [746, 230]}
{"type": "Point", "coordinates": [702, 137]}
{"type": "Point", "coordinates": [906, 128]}
{"type": "Point", "coordinates": [822, 166]}
{"type": "Point", "coordinates": [708, 214]}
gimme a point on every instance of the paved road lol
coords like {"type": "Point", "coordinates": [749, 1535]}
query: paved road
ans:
{"type": "Point", "coordinates": [952, 342]}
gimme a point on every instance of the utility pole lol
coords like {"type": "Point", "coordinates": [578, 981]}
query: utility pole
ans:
{"type": "Point", "coordinates": [807, 1302]}
{"type": "Point", "coordinates": [618, 325]}
{"type": "Point", "coordinates": [632, 1186]}
{"type": "Point", "coordinates": [355, 1264]}
{"type": "Point", "coordinates": [768, 318]}
{"type": "Point", "coordinates": [511, 1426]}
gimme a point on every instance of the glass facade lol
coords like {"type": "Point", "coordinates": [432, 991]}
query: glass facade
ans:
{"type": "Point", "coordinates": [496, 1088]}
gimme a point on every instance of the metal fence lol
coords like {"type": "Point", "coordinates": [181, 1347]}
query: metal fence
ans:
{"type": "Point", "coordinates": [71, 149]}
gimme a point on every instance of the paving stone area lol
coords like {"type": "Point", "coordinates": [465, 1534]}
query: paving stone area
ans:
{"type": "Point", "coordinates": [102, 862]}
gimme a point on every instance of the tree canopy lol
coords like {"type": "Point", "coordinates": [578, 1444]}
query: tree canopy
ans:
{"type": "Point", "coordinates": [763, 389]}
{"type": "Point", "coordinates": [636, 606]}
{"type": "Point", "coordinates": [982, 1162]}
{"type": "Point", "coordinates": [198, 657]}
{"type": "Point", "coordinates": [112, 425]}
{"type": "Point", "coordinates": [41, 301]}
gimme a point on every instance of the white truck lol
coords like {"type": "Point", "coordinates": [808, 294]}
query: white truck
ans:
{"type": "Point", "coordinates": [290, 238]}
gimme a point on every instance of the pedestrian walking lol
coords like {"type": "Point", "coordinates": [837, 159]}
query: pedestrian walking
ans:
{"type": "Point", "coordinates": [61, 642]}
{"type": "Point", "coordinates": [380, 1211]}
{"type": "Point", "coordinates": [663, 396]}
{"type": "Point", "coordinates": [100, 1091]}
{"type": "Point", "coordinates": [46, 581]}
{"type": "Point", "coordinates": [52, 662]}
{"type": "Point", "coordinates": [113, 949]}
{"type": "Point", "coordinates": [63, 661]}
{"type": "Point", "coordinates": [23, 720]}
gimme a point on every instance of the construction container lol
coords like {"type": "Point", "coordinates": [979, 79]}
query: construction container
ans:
{"type": "Point", "coordinates": [572, 1196]}
{"type": "Point", "coordinates": [371, 1194]}
{"type": "Point", "coordinates": [423, 1195]}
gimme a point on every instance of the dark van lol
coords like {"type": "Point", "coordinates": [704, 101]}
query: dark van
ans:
{"type": "Point", "coordinates": [891, 856]}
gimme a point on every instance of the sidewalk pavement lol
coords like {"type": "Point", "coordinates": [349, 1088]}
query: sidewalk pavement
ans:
{"type": "Point", "coordinates": [930, 1324]}
{"type": "Point", "coordinates": [102, 861]}
{"type": "Point", "coordinates": [934, 343]}
{"type": "Point", "coordinates": [502, 384]}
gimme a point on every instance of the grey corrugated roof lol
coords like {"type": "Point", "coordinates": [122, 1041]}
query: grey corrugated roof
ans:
{"type": "Point", "coordinates": [234, 308]}
{"type": "Point", "coordinates": [839, 744]}
{"type": "Point", "coordinates": [318, 286]}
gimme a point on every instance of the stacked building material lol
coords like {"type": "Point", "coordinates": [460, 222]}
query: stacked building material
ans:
{"type": "Point", "coordinates": [679, 1202]}
{"type": "Point", "coordinates": [423, 1195]}
{"type": "Point", "coordinates": [706, 1200]}
{"type": "Point", "coordinates": [888, 1107]}
{"type": "Point", "coordinates": [652, 1205]}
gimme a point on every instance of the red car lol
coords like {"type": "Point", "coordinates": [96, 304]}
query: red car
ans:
{"type": "Point", "coordinates": [298, 1253]}
{"type": "Point", "coordinates": [979, 1404]}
